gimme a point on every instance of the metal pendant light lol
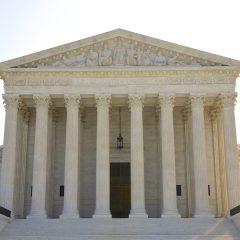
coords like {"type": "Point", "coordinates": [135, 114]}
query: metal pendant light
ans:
{"type": "Point", "coordinates": [120, 138]}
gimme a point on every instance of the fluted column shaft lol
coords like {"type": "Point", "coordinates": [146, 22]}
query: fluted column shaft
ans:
{"type": "Point", "coordinates": [230, 144]}
{"type": "Point", "coordinates": [168, 157]}
{"type": "Point", "coordinates": [137, 157]}
{"type": "Point", "coordinates": [71, 177]}
{"type": "Point", "coordinates": [102, 158]}
{"type": "Point", "coordinates": [214, 116]}
{"type": "Point", "coordinates": [7, 189]}
{"type": "Point", "coordinates": [199, 157]}
{"type": "Point", "coordinates": [39, 185]}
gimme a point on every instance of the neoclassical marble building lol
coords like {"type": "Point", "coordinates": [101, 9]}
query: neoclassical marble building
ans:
{"type": "Point", "coordinates": [172, 105]}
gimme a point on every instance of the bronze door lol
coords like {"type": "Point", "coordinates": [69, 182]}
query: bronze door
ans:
{"type": "Point", "coordinates": [120, 193]}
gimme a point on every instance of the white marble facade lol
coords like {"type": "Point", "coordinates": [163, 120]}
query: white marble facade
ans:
{"type": "Point", "coordinates": [177, 123]}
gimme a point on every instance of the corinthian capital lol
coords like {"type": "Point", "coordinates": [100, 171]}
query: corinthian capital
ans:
{"type": "Point", "coordinates": [11, 100]}
{"type": "Point", "coordinates": [42, 100]}
{"type": "Point", "coordinates": [72, 100]}
{"type": "Point", "coordinates": [135, 100]}
{"type": "Point", "coordinates": [103, 100]}
{"type": "Point", "coordinates": [166, 100]}
{"type": "Point", "coordinates": [228, 99]}
{"type": "Point", "coordinates": [197, 100]}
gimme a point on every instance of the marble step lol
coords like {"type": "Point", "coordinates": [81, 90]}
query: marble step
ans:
{"type": "Point", "coordinates": [99, 229]}
{"type": "Point", "coordinates": [126, 237]}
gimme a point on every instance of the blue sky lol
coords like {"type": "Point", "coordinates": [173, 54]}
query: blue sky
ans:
{"type": "Point", "coordinates": [29, 26]}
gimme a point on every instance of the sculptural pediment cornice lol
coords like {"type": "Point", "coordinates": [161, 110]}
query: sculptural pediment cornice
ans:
{"type": "Point", "coordinates": [118, 48]}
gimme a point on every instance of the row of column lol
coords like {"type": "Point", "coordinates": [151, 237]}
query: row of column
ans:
{"type": "Point", "coordinates": [169, 208]}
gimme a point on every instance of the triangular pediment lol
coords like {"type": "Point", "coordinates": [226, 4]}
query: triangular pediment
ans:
{"type": "Point", "coordinates": [118, 48]}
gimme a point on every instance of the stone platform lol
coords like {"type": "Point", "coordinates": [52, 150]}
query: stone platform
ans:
{"type": "Point", "coordinates": [99, 229]}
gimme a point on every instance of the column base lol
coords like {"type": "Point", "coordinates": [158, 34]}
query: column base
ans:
{"type": "Point", "coordinates": [138, 213]}
{"type": "Point", "coordinates": [170, 214]}
{"type": "Point", "coordinates": [37, 215]}
{"type": "Point", "coordinates": [102, 214]}
{"type": "Point", "coordinates": [203, 215]}
{"type": "Point", "coordinates": [74, 215]}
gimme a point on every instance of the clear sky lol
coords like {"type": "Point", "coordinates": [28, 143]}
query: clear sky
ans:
{"type": "Point", "coordinates": [29, 26]}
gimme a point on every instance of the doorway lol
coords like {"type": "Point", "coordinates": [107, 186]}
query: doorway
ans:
{"type": "Point", "coordinates": [120, 193]}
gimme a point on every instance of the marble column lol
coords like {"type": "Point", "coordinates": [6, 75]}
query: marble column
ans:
{"type": "Point", "coordinates": [168, 157]}
{"type": "Point", "coordinates": [8, 184]}
{"type": "Point", "coordinates": [40, 161]}
{"type": "Point", "coordinates": [214, 114]}
{"type": "Point", "coordinates": [22, 137]}
{"type": "Point", "coordinates": [223, 171]}
{"type": "Point", "coordinates": [187, 135]}
{"type": "Point", "coordinates": [71, 188]}
{"type": "Point", "coordinates": [137, 157]}
{"type": "Point", "coordinates": [199, 157]}
{"type": "Point", "coordinates": [102, 158]}
{"type": "Point", "coordinates": [230, 145]}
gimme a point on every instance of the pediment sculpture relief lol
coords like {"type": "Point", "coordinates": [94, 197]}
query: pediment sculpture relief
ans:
{"type": "Point", "coordinates": [130, 53]}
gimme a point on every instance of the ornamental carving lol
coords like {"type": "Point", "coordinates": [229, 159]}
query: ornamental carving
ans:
{"type": "Point", "coordinates": [197, 100]}
{"type": "Point", "coordinates": [135, 100]}
{"type": "Point", "coordinates": [12, 100]}
{"type": "Point", "coordinates": [118, 52]}
{"type": "Point", "coordinates": [42, 100]}
{"type": "Point", "coordinates": [103, 100]}
{"type": "Point", "coordinates": [166, 100]}
{"type": "Point", "coordinates": [228, 99]}
{"type": "Point", "coordinates": [72, 100]}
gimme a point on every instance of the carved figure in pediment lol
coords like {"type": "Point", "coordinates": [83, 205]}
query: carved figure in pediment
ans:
{"type": "Point", "coordinates": [139, 57]}
{"type": "Point", "coordinates": [194, 63]}
{"type": "Point", "coordinates": [160, 60]}
{"type": "Point", "coordinates": [56, 64]}
{"type": "Point", "coordinates": [105, 58]}
{"type": "Point", "coordinates": [92, 58]}
{"type": "Point", "coordinates": [175, 61]}
{"type": "Point", "coordinates": [80, 60]}
{"type": "Point", "coordinates": [131, 56]}
{"type": "Point", "coordinates": [146, 58]}
{"type": "Point", "coordinates": [119, 55]}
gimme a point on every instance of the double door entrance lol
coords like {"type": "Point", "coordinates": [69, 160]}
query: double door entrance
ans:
{"type": "Point", "coordinates": [120, 192]}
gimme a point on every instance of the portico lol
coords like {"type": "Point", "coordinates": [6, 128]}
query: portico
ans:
{"type": "Point", "coordinates": [177, 125]}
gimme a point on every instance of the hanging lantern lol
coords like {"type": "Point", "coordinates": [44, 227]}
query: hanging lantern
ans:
{"type": "Point", "coordinates": [120, 138]}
